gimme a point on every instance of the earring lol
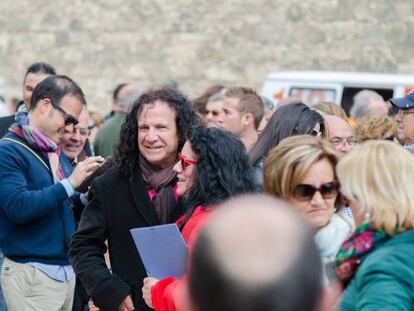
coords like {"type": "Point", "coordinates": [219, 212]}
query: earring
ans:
{"type": "Point", "coordinates": [367, 217]}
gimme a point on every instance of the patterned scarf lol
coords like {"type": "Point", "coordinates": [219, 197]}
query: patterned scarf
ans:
{"type": "Point", "coordinates": [362, 242]}
{"type": "Point", "coordinates": [38, 142]}
{"type": "Point", "coordinates": [162, 182]}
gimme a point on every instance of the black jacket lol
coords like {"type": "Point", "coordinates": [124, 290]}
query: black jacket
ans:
{"type": "Point", "coordinates": [5, 123]}
{"type": "Point", "coordinates": [117, 204]}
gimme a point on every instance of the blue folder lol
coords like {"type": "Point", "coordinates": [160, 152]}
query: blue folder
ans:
{"type": "Point", "coordinates": [162, 250]}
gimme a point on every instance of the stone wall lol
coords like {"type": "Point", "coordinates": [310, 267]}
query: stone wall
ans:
{"type": "Point", "coordinates": [103, 42]}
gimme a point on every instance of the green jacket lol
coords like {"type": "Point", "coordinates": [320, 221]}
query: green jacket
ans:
{"type": "Point", "coordinates": [385, 278]}
{"type": "Point", "coordinates": [108, 135]}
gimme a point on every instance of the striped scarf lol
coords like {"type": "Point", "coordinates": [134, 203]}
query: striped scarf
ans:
{"type": "Point", "coordinates": [162, 182]}
{"type": "Point", "coordinates": [38, 142]}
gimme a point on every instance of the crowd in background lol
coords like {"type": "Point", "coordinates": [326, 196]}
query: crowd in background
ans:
{"type": "Point", "coordinates": [283, 205]}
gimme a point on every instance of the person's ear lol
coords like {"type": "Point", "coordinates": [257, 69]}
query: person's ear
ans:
{"type": "Point", "coordinates": [44, 106]}
{"type": "Point", "coordinates": [247, 119]}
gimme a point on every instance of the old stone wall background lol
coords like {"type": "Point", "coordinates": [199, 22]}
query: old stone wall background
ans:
{"type": "Point", "coordinates": [103, 42]}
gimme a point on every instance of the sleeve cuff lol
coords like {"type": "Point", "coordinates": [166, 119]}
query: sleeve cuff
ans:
{"type": "Point", "coordinates": [83, 199]}
{"type": "Point", "coordinates": [68, 187]}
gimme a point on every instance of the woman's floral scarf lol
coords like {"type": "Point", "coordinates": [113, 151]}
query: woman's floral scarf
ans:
{"type": "Point", "coordinates": [362, 242]}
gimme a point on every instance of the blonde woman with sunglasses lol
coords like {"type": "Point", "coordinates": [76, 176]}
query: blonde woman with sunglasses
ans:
{"type": "Point", "coordinates": [301, 170]}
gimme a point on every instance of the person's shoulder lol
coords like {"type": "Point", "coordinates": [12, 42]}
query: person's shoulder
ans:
{"type": "Point", "coordinates": [10, 142]}
{"type": "Point", "coordinates": [109, 125]}
{"type": "Point", "coordinates": [110, 178]}
{"type": "Point", "coordinates": [5, 123]}
{"type": "Point", "coordinates": [393, 257]}
{"type": "Point", "coordinates": [7, 119]}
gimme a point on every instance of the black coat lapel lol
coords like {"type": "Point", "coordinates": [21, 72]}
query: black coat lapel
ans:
{"type": "Point", "coordinates": [142, 201]}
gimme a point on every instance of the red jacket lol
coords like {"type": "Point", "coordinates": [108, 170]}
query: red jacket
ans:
{"type": "Point", "coordinates": [165, 294]}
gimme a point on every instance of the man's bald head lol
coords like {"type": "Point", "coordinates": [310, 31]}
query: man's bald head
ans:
{"type": "Point", "coordinates": [255, 254]}
{"type": "Point", "coordinates": [339, 133]}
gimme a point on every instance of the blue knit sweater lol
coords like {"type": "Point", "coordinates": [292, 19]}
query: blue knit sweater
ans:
{"type": "Point", "coordinates": [35, 219]}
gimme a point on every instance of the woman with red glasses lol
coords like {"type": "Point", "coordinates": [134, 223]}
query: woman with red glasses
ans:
{"type": "Point", "coordinates": [212, 167]}
{"type": "Point", "coordinates": [301, 170]}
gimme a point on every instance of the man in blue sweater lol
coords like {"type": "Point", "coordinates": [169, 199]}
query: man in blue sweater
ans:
{"type": "Point", "coordinates": [36, 222]}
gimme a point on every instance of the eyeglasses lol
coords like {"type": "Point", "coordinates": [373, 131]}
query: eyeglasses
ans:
{"type": "Point", "coordinates": [82, 131]}
{"type": "Point", "coordinates": [403, 113]}
{"type": "Point", "coordinates": [336, 141]}
{"type": "Point", "coordinates": [69, 119]}
{"type": "Point", "coordinates": [185, 162]}
{"type": "Point", "coordinates": [305, 192]}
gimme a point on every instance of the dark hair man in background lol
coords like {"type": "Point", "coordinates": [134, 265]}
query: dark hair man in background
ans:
{"type": "Point", "coordinates": [242, 113]}
{"type": "Point", "coordinates": [35, 74]}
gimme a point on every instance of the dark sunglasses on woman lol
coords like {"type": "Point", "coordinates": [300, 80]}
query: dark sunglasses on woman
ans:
{"type": "Point", "coordinates": [305, 192]}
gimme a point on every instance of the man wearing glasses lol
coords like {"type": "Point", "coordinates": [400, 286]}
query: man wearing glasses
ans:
{"type": "Point", "coordinates": [36, 222]}
{"type": "Point", "coordinates": [405, 118]}
{"type": "Point", "coordinates": [72, 144]}
{"type": "Point", "coordinates": [74, 139]}
{"type": "Point", "coordinates": [339, 133]}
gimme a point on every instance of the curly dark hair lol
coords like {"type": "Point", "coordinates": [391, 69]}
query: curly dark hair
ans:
{"type": "Point", "coordinates": [222, 169]}
{"type": "Point", "coordinates": [126, 152]}
{"type": "Point", "coordinates": [290, 120]}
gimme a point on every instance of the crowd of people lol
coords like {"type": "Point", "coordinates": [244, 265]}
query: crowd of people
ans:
{"type": "Point", "coordinates": [282, 206]}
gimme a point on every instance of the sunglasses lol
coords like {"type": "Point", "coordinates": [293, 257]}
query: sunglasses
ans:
{"type": "Point", "coordinates": [315, 133]}
{"type": "Point", "coordinates": [69, 119]}
{"type": "Point", "coordinates": [305, 192]}
{"type": "Point", "coordinates": [185, 162]}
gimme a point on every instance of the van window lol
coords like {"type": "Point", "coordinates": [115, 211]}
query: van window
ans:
{"type": "Point", "coordinates": [311, 95]}
{"type": "Point", "coordinates": [349, 93]}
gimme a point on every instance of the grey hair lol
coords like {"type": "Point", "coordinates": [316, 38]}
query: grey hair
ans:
{"type": "Point", "coordinates": [267, 103]}
{"type": "Point", "coordinates": [216, 97]}
{"type": "Point", "coordinates": [126, 100]}
{"type": "Point", "coordinates": [360, 108]}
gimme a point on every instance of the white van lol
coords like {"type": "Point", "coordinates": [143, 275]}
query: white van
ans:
{"type": "Point", "coordinates": [339, 87]}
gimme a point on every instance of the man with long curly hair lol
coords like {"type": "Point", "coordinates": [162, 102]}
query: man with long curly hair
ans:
{"type": "Point", "coordinates": [139, 191]}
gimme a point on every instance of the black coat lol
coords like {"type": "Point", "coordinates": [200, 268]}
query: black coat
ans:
{"type": "Point", "coordinates": [5, 123]}
{"type": "Point", "coordinates": [117, 204]}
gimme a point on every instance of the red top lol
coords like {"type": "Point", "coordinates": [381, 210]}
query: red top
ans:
{"type": "Point", "coordinates": [165, 294]}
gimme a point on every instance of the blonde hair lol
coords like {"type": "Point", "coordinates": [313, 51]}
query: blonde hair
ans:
{"type": "Point", "coordinates": [289, 162]}
{"type": "Point", "coordinates": [379, 177]}
{"type": "Point", "coordinates": [374, 127]}
{"type": "Point", "coordinates": [330, 109]}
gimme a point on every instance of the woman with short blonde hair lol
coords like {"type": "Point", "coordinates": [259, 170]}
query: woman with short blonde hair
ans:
{"type": "Point", "coordinates": [287, 164]}
{"type": "Point", "coordinates": [301, 170]}
{"type": "Point", "coordinates": [377, 263]}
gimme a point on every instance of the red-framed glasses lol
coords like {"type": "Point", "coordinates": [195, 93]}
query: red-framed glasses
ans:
{"type": "Point", "coordinates": [185, 162]}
